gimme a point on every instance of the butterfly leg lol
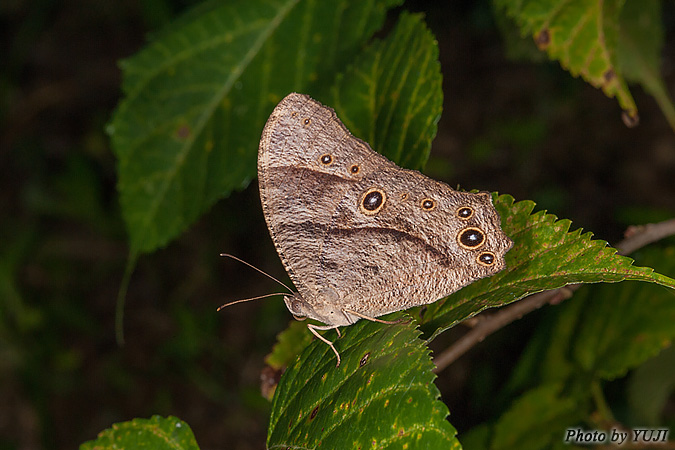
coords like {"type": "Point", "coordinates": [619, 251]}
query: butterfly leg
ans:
{"type": "Point", "coordinates": [373, 319]}
{"type": "Point", "coordinates": [315, 331]}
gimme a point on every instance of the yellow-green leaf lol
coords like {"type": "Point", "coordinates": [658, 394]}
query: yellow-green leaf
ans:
{"type": "Point", "coordinates": [583, 36]}
{"type": "Point", "coordinates": [156, 433]}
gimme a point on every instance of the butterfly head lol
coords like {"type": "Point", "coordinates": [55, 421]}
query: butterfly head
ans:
{"type": "Point", "coordinates": [324, 308]}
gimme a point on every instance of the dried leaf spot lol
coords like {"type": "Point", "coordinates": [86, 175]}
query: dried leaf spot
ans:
{"type": "Point", "coordinates": [354, 169]}
{"type": "Point", "coordinates": [183, 132]}
{"type": "Point", "coordinates": [372, 201]}
{"type": "Point", "coordinates": [326, 159]}
{"type": "Point", "coordinates": [609, 75]}
{"type": "Point", "coordinates": [401, 432]}
{"type": "Point", "coordinates": [314, 413]}
{"type": "Point", "coordinates": [543, 39]}
{"type": "Point", "coordinates": [364, 360]}
{"type": "Point", "coordinates": [428, 204]}
{"type": "Point", "coordinates": [465, 212]}
{"type": "Point", "coordinates": [471, 238]}
{"type": "Point", "coordinates": [486, 258]}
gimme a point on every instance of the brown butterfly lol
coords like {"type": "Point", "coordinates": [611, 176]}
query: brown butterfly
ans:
{"type": "Point", "coordinates": [359, 236]}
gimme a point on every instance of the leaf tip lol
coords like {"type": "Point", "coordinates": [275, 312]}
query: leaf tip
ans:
{"type": "Point", "coordinates": [630, 118]}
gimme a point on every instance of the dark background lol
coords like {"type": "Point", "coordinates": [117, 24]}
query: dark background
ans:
{"type": "Point", "coordinates": [517, 127]}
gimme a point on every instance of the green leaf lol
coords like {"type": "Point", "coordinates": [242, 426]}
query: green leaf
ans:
{"type": "Point", "coordinates": [639, 51]}
{"type": "Point", "coordinates": [536, 420]}
{"type": "Point", "coordinates": [196, 99]}
{"type": "Point", "coordinates": [603, 331]}
{"type": "Point", "coordinates": [477, 438]}
{"type": "Point", "coordinates": [622, 326]}
{"type": "Point", "coordinates": [650, 386]}
{"type": "Point", "coordinates": [545, 255]}
{"type": "Point", "coordinates": [582, 35]}
{"type": "Point", "coordinates": [156, 433]}
{"type": "Point", "coordinates": [550, 344]}
{"type": "Point", "coordinates": [382, 395]}
{"type": "Point", "coordinates": [391, 97]}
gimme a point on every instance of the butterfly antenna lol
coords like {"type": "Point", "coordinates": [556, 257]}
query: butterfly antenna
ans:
{"type": "Point", "coordinates": [259, 270]}
{"type": "Point", "coordinates": [248, 299]}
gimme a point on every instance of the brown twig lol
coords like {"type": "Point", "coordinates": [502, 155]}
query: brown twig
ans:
{"type": "Point", "coordinates": [635, 237]}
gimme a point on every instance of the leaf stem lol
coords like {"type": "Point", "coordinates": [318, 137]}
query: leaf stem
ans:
{"type": "Point", "coordinates": [122, 295]}
{"type": "Point", "coordinates": [605, 412]}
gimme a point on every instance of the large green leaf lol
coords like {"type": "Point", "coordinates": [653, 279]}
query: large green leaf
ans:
{"type": "Point", "coordinates": [157, 432]}
{"type": "Point", "coordinates": [196, 100]}
{"type": "Point", "coordinates": [582, 35]}
{"type": "Point", "coordinates": [391, 96]}
{"type": "Point", "coordinates": [545, 255]}
{"type": "Point", "coordinates": [381, 396]}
